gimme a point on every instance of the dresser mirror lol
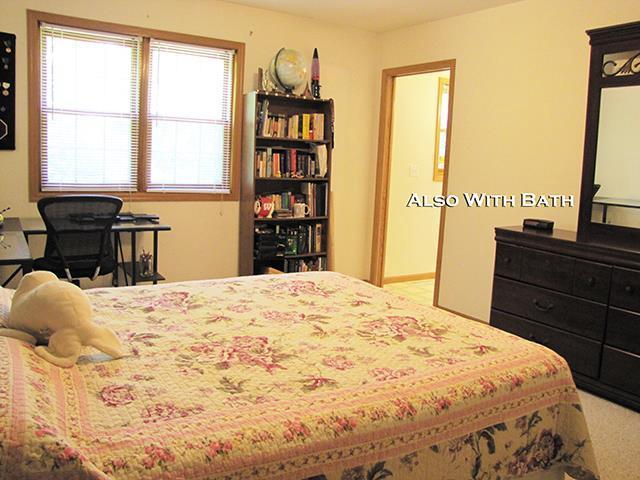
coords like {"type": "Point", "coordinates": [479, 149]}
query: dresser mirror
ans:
{"type": "Point", "coordinates": [610, 195]}
{"type": "Point", "coordinates": [617, 201]}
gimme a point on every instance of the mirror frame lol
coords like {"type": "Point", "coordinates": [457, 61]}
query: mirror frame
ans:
{"type": "Point", "coordinates": [603, 41]}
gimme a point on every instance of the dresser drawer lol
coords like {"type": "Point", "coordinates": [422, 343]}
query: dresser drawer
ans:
{"type": "Point", "coordinates": [625, 288]}
{"type": "Point", "coordinates": [591, 280]}
{"type": "Point", "coordinates": [620, 370]}
{"type": "Point", "coordinates": [552, 308]}
{"type": "Point", "coordinates": [508, 258]}
{"type": "Point", "coordinates": [547, 270]}
{"type": "Point", "coordinates": [623, 330]}
{"type": "Point", "coordinates": [581, 354]}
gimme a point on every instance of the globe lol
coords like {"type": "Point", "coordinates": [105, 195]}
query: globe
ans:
{"type": "Point", "coordinates": [288, 69]}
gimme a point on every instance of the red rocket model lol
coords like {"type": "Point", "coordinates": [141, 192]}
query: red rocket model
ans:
{"type": "Point", "coordinates": [315, 74]}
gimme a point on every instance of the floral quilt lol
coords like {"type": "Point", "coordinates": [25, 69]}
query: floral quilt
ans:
{"type": "Point", "coordinates": [312, 375]}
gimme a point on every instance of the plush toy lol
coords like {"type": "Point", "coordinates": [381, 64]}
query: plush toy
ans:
{"type": "Point", "coordinates": [47, 309]}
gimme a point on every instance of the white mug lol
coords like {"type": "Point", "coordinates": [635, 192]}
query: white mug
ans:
{"type": "Point", "coordinates": [301, 210]}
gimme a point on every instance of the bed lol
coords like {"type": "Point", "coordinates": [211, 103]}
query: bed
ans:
{"type": "Point", "coordinates": [311, 375]}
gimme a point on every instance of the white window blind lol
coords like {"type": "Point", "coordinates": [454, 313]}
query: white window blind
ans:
{"type": "Point", "coordinates": [89, 109]}
{"type": "Point", "coordinates": [189, 109]}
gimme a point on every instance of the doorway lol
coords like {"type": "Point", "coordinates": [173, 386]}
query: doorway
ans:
{"type": "Point", "coordinates": [413, 157]}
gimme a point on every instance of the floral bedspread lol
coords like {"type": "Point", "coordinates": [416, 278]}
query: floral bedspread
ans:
{"type": "Point", "coordinates": [313, 375]}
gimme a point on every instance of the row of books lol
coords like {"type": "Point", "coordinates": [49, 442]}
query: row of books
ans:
{"type": "Point", "coordinates": [316, 197]}
{"type": "Point", "coordinates": [304, 265]}
{"type": "Point", "coordinates": [276, 241]}
{"type": "Point", "coordinates": [291, 163]}
{"type": "Point", "coordinates": [313, 194]}
{"type": "Point", "coordinates": [303, 239]}
{"type": "Point", "coordinates": [305, 126]}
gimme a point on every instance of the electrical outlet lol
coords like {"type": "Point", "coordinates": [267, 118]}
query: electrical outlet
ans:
{"type": "Point", "coordinates": [413, 170]}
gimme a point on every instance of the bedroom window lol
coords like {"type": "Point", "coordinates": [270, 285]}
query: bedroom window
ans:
{"type": "Point", "coordinates": [145, 114]}
{"type": "Point", "coordinates": [189, 141]}
{"type": "Point", "coordinates": [88, 110]}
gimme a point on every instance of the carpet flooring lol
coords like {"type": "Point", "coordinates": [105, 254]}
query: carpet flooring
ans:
{"type": "Point", "coordinates": [615, 433]}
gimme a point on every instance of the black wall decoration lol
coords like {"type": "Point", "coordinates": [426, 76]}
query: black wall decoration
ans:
{"type": "Point", "coordinates": [7, 91]}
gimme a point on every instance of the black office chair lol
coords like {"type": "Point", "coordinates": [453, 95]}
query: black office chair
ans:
{"type": "Point", "coordinates": [78, 235]}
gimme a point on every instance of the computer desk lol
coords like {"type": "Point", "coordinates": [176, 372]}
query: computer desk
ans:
{"type": "Point", "coordinates": [14, 250]}
{"type": "Point", "coordinates": [35, 226]}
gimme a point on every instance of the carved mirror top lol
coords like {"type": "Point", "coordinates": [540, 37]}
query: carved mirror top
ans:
{"type": "Point", "coordinates": [621, 64]}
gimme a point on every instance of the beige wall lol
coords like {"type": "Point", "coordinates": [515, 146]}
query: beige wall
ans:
{"type": "Point", "coordinates": [412, 233]}
{"type": "Point", "coordinates": [518, 119]}
{"type": "Point", "coordinates": [204, 240]}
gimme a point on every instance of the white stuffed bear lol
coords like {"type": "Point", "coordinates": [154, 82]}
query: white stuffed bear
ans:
{"type": "Point", "coordinates": [46, 308]}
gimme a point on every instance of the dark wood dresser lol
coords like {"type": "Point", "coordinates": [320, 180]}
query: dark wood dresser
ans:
{"type": "Point", "coordinates": [580, 299]}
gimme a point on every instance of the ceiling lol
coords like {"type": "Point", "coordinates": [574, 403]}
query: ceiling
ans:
{"type": "Point", "coordinates": [375, 15]}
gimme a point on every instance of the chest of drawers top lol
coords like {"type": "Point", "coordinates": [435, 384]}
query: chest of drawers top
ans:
{"type": "Point", "coordinates": [565, 242]}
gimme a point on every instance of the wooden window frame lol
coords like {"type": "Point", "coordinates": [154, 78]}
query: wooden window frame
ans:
{"type": "Point", "coordinates": [35, 18]}
{"type": "Point", "coordinates": [438, 174]}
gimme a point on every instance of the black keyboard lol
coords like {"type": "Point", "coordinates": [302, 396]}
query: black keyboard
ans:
{"type": "Point", "coordinates": [134, 217]}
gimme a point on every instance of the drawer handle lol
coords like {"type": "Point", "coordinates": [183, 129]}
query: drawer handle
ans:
{"type": "Point", "coordinates": [591, 281]}
{"type": "Point", "coordinates": [542, 308]}
{"type": "Point", "coordinates": [542, 341]}
{"type": "Point", "coordinates": [506, 260]}
{"type": "Point", "coordinates": [628, 289]}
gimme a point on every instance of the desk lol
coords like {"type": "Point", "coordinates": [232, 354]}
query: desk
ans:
{"type": "Point", "coordinates": [131, 269]}
{"type": "Point", "coordinates": [14, 250]}
{"type": "Point", "coordinates": [35, 226]}
{"type": "Point", "coordinates": [607, 202]}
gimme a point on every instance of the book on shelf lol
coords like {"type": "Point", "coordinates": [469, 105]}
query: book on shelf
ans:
{"type": "Point", "coordinates": [300, 126]}
{"type": "Point", "coordinates": [282, 213]}
{"type": "Point", "coordinates": [312, 194]}
{"type": "Point", "coordinates": [305, 265]}
{"type": "Point", "coordinates": [276, 162]}
{"type": "Point", "coordinates": [321, 159]}
{"type": "Point", "coordinates": [316, 197]}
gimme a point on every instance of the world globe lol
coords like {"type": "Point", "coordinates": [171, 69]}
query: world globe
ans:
{"type": "Point", "coordinates": [288, 69]}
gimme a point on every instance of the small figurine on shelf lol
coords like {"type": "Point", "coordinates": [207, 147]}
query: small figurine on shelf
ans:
{"type": "Point", "coordinates": [315, 74]}
{"type": "Point", "coordinates": [146, 270]}
{"type": "Point", "coordinates": [264, 82]}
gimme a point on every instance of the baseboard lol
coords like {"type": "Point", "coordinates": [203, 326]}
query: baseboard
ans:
{"type": "Point", "coordinates": [409, 278]}
{"type": "Point", "coordinates": [460, 314]}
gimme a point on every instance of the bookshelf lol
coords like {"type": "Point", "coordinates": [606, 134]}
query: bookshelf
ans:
{"type": "Point", "coordinates": [286, 159]}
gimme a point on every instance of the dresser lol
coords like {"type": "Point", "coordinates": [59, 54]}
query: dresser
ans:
{"type": "Point", "coordinates": [580, 299]}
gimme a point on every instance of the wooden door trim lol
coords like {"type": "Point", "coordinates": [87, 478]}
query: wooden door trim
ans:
{"type": "Point", "coordinates": [383, 165]}
{"type": "Point", "coordinates": [412, 277]}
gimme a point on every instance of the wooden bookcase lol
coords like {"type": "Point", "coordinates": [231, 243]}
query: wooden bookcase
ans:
{"type": "Point", "coordinates": [254, 185]}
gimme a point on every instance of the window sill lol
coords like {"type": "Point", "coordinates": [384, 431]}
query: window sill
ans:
{"type": "Point", "coordinates": [148, 196]}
